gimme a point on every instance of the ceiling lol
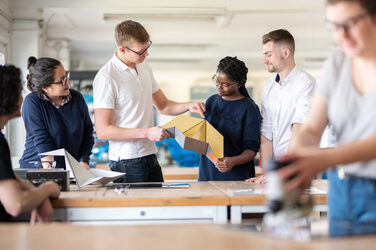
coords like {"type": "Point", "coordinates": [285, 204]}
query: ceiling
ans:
{"type": "Point", "coordinates": [191, 34]}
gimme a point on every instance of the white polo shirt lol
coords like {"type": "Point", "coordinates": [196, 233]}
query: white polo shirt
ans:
{"type": "Point", "coordinates": [119, 87]}
{"type": "Point", "coordinates": [284, 104]}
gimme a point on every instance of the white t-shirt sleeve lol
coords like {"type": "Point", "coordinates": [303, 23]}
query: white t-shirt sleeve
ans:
{"type": "Point", "coordinates": [327, 77]}
{"type": "Point", "coordinates": [104, 92]}
{"type": "Point", "coordinates": [267, 122]}
{"type": "Point", "coordinates": [303, 103]}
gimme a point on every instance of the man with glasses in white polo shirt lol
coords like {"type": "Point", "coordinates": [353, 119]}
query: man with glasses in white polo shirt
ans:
{"type": "Point", "coordinates": [286, 97]}
{"type": "Point", "coordinates": [124, 94]}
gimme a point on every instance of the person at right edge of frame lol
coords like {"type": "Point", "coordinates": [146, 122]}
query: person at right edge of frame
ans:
{"type": "Point", "coordinates": [237, 117]}
{"type": "Point", "coordinates": [286, 97]}
{"type": "Point", "coordinates": [345, 98]}
{"type": "Point", "coordinates": [125, 91]}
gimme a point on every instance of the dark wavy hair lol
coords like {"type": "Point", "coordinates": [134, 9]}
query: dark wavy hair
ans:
{"type": "Point", "coordinates": [10, 89]}
{"type": "Point", "coordinates": [236, 70]}
{"type": "Point", "coordinates": [41, 73]}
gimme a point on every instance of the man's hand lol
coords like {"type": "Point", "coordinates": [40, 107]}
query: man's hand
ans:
{"type": "Point", "coordinates": [259, 179]}
{"type": "Point", "coordinates": [157, 134]}
{"type": "Point", "coordinates": [197, 107]}
{"type": "Point", "coordinates": [85, 165]}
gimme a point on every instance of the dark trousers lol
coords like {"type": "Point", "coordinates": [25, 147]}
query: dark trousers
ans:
{"type": "Point", "coordinates": [143, 169]}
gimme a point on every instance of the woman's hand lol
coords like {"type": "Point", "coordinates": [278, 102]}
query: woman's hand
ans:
{"type": "Point", "coordinates": [224, 164]}
{"type": "Point", "coordinates": [305, 164]}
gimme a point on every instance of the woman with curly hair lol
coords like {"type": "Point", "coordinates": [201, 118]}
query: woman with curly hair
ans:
{"type": "Point", "coordinates": [55, 116]}
{"type": "Point", "coordinates": [18, 196]}
{"type": "Point", "coordinates": [235, 115]}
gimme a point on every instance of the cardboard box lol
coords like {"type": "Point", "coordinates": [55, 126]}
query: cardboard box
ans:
{"type": "Point", "coordinates": [197, 135]}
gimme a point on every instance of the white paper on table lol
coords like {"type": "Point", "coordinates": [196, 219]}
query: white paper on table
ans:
{"type": "Point", "coordinates": [81, 174]}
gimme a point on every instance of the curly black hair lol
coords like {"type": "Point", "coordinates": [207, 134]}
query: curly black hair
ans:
{"type": "Point", "coordinates": [236, 70]}
{"type": "Point", "coordinates": [10, 89]}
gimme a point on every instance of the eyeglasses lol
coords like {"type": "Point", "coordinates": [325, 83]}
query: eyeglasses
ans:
{"type": "Point", "coordinates": [139, 53]}
{"type": "Point", "coordinates": [223, 84]}
{"type": "Point", "coordinates": [64, 81]}
{"type": "Point", "coordinates": [347, 25]}
{"type": "Point", "coordinates": [51, 164]}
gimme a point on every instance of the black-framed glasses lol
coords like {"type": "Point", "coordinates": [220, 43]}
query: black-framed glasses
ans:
{"type": "Point", "coordinates": [139, 53]}
{"type": "Point", "coordinates": [221, 84]}
{"type": "Point", "coordinates": [347, 25]}
{"type": "Point", "coordinates": [51, 164]}
{"type": "Point", "coordinates": [64, 80]}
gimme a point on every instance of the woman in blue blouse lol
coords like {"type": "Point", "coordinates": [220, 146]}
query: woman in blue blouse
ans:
{"type": "Point", "coordinates": [54, 116]}
{"type": "Point", "coordinates": [235, 115]}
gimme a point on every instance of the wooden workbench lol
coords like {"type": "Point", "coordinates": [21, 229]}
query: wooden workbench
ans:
{"type": "Point", "coordinates": [246, 197]}
{"type": "Point", "coordinates": [200, 202]}
{"type": "Point", "coordinates": [182, 237]}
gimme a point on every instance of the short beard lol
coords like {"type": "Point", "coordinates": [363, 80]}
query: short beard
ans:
{"type": "Point", "coordinates": [272, 69]}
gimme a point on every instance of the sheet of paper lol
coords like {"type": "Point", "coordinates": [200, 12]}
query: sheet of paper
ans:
{"type": "Point", "coordinates": [82, 175]}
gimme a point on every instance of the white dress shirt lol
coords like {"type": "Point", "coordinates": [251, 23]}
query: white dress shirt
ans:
{"type": "Point", "coordinates": [284, 104]}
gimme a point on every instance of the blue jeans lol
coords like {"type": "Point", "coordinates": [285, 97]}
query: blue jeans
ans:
{"type": "Point", "coordinates": [352, 205]}
{"type": "Point", "coordinates": [143, 169]}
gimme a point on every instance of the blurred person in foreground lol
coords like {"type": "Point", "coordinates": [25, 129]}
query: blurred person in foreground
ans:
{"type": "Point", "coordinates": [346, 99]}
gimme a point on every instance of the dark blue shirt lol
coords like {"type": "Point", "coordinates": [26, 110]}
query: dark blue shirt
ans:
{"type": "Point", "coordinates": [49, 128]}
{"type": "Point", "coordinates": [239, 123]}
{"type": "Point", "coordinates": [6, 172]}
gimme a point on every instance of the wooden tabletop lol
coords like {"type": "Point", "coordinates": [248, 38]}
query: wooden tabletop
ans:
{"type": "Point", "coordinates": [198, 193]}
{"type": "Point", "coordinates": [182, 237]}
{"type": "Point", "coordinates": [180, 173]}
{"type": "Point", "coordinates": [247, 193]}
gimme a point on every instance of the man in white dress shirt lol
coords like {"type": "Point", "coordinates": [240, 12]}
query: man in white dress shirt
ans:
{"type": "Point", "coordinates": [124, 92]}
{"type": "Point", "coordinates": [285, 98]}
